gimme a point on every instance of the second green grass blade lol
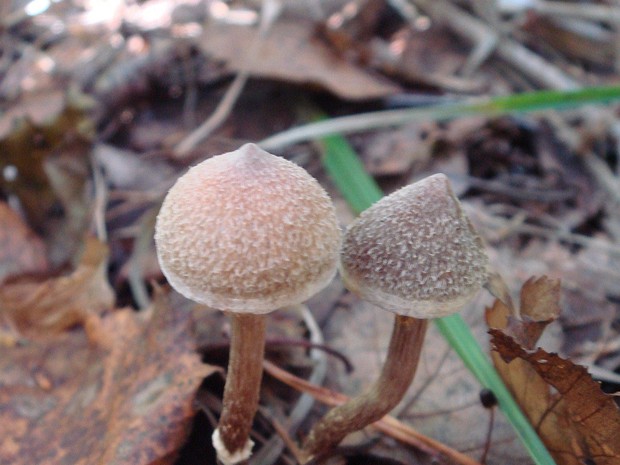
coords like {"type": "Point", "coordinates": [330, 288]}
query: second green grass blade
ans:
{"type": "Point", "coordinates": [479, 106]}
{"type": "Point", "coordinates": [360, 190]}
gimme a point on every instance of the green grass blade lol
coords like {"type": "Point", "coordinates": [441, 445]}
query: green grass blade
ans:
{"type": "Point", "coordinates": [457, 333]}
{"type": "Point", "coordinates": [485, 106]}
{"type": "Point", "coordinates": [348, 173]}
{"type": "Point", "coordinates": [551, 99]}
{"type": "Point", "coordinates": [361, 191]}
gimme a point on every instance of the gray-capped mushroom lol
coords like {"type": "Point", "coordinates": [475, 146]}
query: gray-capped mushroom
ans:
{"type": "Point", "coordinates": [246, 232]}
{"type": "Point", "coordinates": [416, 254]}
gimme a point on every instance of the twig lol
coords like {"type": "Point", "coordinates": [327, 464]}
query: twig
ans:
{"type": "Point", "coordinates": [274, 342]}
{"type": "Point", "coordinates": [603, 174]}
{"type": "Point", "coordinates": [388, 425]}
{"type": "Point", "coordinates": [530, 64]}
{"type": "Point", "coordinates": [273, 447]}
{"type": "Point", "coordinates": [494, 222]}
{"type": "Point", "coordinates": [538, 194]}
{"type": "Point", "coordinates": [487, 444]}
{"type": "Point", "coordinates": [305, 403]}
{"type": "Point", "coordinates": [270, 452]}
{"type": "Point", "coordinates": [427, 381]}
{"type": "Point", "coordinates": [439, 412]}
{"type": "Point", "coordinates": [599, 170]}
{"type": "Point", "coordinates": [590, 11]}
{"type": "Point", "coordinates": [270, 11]}
{"type": "Point", "coordinates": [271, 343]}
{"type": "Point", "coordinates": [141, 248]}
{"type": "Point", "coordinates": [216, 119]}
{"type": "Point", "coordinates": [484, 42]}
{"type": "Point", "coordinates": [101, 200]}
{"type": "Point", "coordinates": [602, 373]}
{"type": "Point", "coordinates": [133, 203]}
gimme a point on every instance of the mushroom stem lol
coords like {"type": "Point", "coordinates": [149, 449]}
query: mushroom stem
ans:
{"type": "Point", "coordinates": [231, 439]}
{"type": "Point", "coordinates": [396, 376]}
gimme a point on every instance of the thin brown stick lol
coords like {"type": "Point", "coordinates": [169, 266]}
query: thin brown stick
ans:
{"type": "Point", "coordinates": [387, 425]}
{"type": "Point", "coordinates": [527, 62]}
{"type": "Point", "coordinates": [283, 434]}
{"type": "Point", "coordinates": [275, 342]}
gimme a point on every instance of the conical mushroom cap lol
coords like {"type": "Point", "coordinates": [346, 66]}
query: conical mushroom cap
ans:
{"type": "Point", "coordinates": [415, 252]}
{"type": "Point", "coordinates": [247, 231]}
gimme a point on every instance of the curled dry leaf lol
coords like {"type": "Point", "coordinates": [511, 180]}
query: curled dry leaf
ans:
{"type": "Point", "coordinates": [540, 299]}
{"type": "Point", "coordinates": [576, 420]}
{"type": "Point", "coordinates": [53, 305]}
{"type": "Point", "coordinates": [44, 140]}
{"type": "Point", "coordinates": [291, 53]}
{"type": "Point", "coordinates": [65, 401]}
{"type": "Point", "coordinates": [540, 305]}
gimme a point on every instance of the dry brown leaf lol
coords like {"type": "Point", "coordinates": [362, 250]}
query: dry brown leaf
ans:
{"type": "Point", "coordinates": [497, 287]}
{"type": "Point", "coordinates": [65, 401]}
{"type": "Point", "coordinates": [431, 57]}
{"type": "Point", "coordinates": [42, 308]}
{"type": "Point", "coordinates": [575, 419]}
{"type": "Point", "coordinates": [540, 298]}
{"type": "Point", "coordinates": [290, 52]}
{"type": "Point", "coordinates": [579, 422]}
{"type": "Point", "coordinates": [21, 251]}
{"type": "Point", "coordinates": [540, 305]}
{"type": "Point", "coordinates": [44, 141]}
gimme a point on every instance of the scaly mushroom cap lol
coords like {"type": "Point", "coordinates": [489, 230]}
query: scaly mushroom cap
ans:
{"type": "Point", "coordinates": [247, 231]}
{"type": "Point", "coordinates": [415, 252]}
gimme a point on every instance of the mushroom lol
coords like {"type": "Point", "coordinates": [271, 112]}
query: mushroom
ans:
{"type": "Point", "coordinates": [416, 254]}
{"type": "Point", "coordinates": [246, 232]}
